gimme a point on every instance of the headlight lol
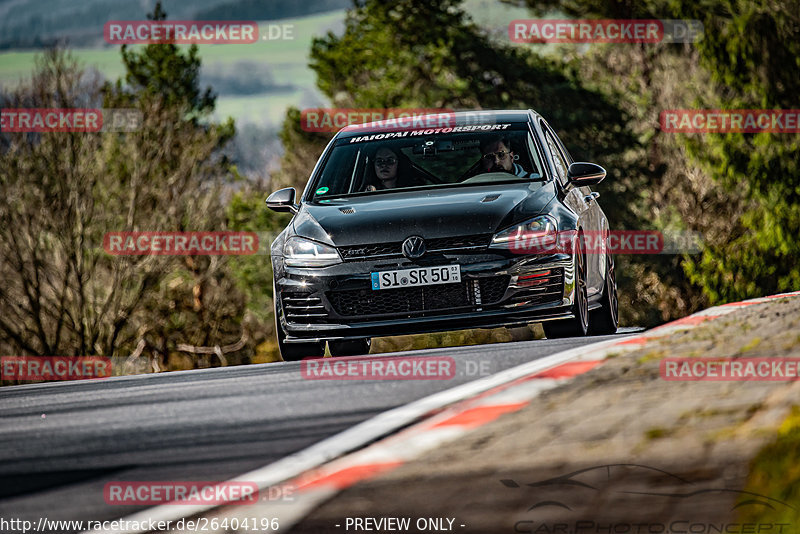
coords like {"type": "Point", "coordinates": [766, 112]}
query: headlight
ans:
{"type": "Point", "coordinates": [537, 234]}
{"type": "Point", "coordinates": [302, 252]}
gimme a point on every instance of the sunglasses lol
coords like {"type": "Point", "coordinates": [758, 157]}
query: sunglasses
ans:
{"type": "Point", "coordinates": [385, 162]}
{"type": "Point", "coordinates": [490, 157]}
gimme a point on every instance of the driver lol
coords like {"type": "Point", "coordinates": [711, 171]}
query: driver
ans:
{"type": "Point", "coordinates": [497, 156]}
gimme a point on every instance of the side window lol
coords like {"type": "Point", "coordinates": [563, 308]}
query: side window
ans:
{"type": "Point", "coordinates": [564, 152]}
{"type": "Point", "coordinates": [558, 159]}
{"type": "Point", "coordinates": [537, 165]}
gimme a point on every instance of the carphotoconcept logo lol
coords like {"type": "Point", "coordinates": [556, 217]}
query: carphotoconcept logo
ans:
{"type": "Point", "coordinates": [388, 368]}
{"type": "Point", "coordinates": [180, 243]}
{"type": "Point", "coordinates": [730, 120]}
{"type": "Point", "coordinates": [638, 498]}
{"type": "Point", "coordinates": [605, 31]}
{"type": "Point", "coordinates": [50, 368]}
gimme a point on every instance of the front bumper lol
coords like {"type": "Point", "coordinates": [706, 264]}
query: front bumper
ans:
{"type": "Point", "coordinates": [337, 302]}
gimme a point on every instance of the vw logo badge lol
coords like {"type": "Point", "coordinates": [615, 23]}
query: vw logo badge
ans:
{"type": "Point", "coordinates": [413, 247]}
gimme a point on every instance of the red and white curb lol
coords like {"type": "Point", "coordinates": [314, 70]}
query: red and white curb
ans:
{"type": "Point", "coordinates": [691, 321]}
{"type": "Point", "coordinates": [364, 451]}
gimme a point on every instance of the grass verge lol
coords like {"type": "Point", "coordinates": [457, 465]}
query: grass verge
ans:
{"type": "Point", "coordinates": [775, 473]}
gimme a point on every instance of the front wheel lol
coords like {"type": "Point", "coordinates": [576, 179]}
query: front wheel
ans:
{"type": "Point", "coordinates": [606, 320]}
{"type": "Point", "coordinates": [579, 325]}
{"type": "Point", "coordinates": [350, 347]}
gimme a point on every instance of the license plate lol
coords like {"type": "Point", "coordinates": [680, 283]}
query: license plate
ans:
{"type": "Point", "coordinates": [420, 276]}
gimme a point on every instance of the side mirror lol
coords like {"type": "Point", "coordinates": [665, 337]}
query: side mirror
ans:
{"type": "Point", "coordinates": [581, 173]}
{"type": "Point", "coordinates": [283, 200]}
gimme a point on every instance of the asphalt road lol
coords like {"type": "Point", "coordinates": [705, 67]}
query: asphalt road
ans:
{"type": "Point", "coordinates": [60, 443]}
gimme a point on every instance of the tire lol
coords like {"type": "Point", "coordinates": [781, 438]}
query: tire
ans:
{"type": "Point", "coordinates": [291, 352]}
{"type": "Point", "coordinates": [350, 347]}
{"type": "Point", "coordinates": [606, 320]}
{"type": "Point", "coordinates": [579, 325]}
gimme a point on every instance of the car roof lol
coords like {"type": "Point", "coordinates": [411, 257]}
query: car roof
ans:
{"type": "Point", "coordinates": [454, 118]}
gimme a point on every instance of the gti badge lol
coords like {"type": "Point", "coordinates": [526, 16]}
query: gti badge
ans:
{"type": "Point", "coordinates": [414, 247]}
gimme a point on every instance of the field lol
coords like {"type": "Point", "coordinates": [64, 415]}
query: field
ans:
{"type": "Point", "coordinates": [255, 82]}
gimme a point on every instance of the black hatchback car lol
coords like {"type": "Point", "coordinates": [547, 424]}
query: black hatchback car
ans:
{"type": "Point", "coordinates": [426, 226]}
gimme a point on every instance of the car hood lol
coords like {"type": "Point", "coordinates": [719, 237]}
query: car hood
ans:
{"type": "Point", "coordinates": [434, 213]}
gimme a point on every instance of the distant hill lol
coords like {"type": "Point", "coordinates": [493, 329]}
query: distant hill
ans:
{"type": "Point", "coordinates": [39, 23]}
{"type": "Point", "coordinates": [260, 10]}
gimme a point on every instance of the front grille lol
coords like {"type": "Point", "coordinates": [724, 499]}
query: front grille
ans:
{"type": "Point", "coordinates": [548, 288]}
{"type": "Point", "coordinates": [493, 288]}
{"type": "Point", "coordinates": [458, 242]}
{"type": "Point", "coordinates": [395, 248]}
{"type": "Point", "coordinates": [417, 300]}
{"type": "Point", "coordinates": [303, 308]}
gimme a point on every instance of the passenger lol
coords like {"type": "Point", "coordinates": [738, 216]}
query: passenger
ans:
{"type": "Point", "coordinates": [388, 171]}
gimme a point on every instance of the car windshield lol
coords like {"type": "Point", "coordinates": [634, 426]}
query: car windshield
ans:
{"type": "Point", "coordinates": [387, 161]}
